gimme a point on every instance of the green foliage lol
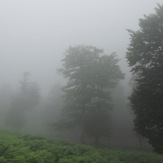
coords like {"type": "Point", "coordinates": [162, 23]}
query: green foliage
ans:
{"type": "Point", "coordinates": [33, 149]}
{"type": "Point", "coordinates": [145, 56]}
{"type": "Point", "coordinates": [91, 76]}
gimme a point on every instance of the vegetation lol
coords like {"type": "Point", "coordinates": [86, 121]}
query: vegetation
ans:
{"type": "Point", "coordinates": [145, 56]}
{"type": "Point", "coordinates": [91, 76]}
{"type": "Point", "coordinates": [16, 148]}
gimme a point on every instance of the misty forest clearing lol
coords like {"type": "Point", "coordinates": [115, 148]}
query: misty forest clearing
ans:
{"type": "Point", "coordinates": [17, 148]}
{"type": "Point", "coordinates": [97, 91]}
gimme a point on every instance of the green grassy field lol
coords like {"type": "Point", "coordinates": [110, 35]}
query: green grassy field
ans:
{"type": "Point", "coordinates": [16, 148]}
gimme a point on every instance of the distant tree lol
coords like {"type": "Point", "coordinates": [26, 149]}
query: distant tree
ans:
{"type": "Point", "coordinates": [30, 92]}
{"type": "Point", "coordinates": [25, 100]}
{"type": "Point", "coordinates": [145, 56]}
{"type": "Point", "coordinates": [91, 76]}
{"type": "Point", "coordinates": [52, 111]}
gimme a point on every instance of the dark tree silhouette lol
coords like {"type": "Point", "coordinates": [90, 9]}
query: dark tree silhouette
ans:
{"type": "Point", "coordinates": [145, 56]}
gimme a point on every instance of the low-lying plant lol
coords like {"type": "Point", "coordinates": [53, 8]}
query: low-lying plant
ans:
{"type": "Point", "coordinates": [16, 148]}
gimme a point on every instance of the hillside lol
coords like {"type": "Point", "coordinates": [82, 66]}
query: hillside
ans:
{"type": "Point", "coordinates": [17, 148]}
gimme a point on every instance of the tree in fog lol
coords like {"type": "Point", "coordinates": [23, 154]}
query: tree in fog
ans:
{"type": "Point", "coordinates": [52, 111]}
{"type": "Point", "coordinates": [91, 76]}
{"type": "Point", "coordinates": [145, 56]}
{"type": "Point", "coordinates": [29, 92]}
{"type": "Point", "coordinates": [25, 100]}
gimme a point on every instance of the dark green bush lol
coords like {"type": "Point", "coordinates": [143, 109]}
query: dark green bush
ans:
{"type": "Point", "coordinates": [16, 148]}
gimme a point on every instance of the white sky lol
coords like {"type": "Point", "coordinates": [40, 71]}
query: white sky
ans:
{"type": "Point", "coordinates": [35, 33]}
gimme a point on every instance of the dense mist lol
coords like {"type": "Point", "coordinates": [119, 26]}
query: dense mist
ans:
{"type": "Point", "coordinates": [34, 35]}
{"type": "Point", "coordinates": [34, 38]}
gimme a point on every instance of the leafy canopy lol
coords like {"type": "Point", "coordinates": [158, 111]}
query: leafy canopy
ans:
{"type": "Point", "coordinates": [145, 56]}
{"type": "Point", "coordinates": [91, 75]}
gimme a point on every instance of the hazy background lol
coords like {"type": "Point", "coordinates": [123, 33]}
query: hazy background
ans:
{"type": "Point", "coordinates": [35, 33]}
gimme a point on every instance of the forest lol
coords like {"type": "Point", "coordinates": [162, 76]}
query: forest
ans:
{"type": "Point", "coordinates": [99, 106]}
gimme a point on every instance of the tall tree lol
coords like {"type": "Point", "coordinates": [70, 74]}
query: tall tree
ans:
{"type": "Point", "coordinates": [29, 92]}
{"type": "Point", "coordinates": [145, 56]}
{"type": "Point", "coordinates": [25, 100]}
{"type": "Point", "coordinates": [91, 75]}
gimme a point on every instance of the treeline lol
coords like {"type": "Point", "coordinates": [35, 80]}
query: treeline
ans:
{"type": "Point", "coordinates": [25, 110]}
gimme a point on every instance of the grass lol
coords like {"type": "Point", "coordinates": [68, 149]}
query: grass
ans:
{"type": "Point", "coordinates": [17, 148]}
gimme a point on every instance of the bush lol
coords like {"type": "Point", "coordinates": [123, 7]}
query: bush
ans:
{"type": "Point", "coordinates": [35, 149]}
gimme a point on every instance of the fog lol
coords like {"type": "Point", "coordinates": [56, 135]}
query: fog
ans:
{"type": "Point", "coordinates": [35, 34]}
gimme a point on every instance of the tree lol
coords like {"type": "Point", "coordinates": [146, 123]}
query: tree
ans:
{"type": "Point", "coordinates": [52, 110]}
{"type": "Point", "coordinates": [145, 57]}
{"type": "Point", "coordinates": [29, 92]}
{"type": "Point", "coordinates": [91, 76]}
{"type": "Point", "coordinates": [25, 100]}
